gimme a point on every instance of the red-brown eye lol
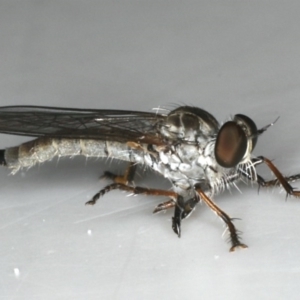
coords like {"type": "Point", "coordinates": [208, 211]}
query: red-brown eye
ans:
{"type": "Point", "coordinates": [231, 145]}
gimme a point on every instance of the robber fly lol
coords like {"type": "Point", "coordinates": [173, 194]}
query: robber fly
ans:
{"type": "Point", "coordinates": [186, 146]}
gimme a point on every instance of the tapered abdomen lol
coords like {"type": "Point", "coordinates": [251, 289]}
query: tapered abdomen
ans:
{"type": "Point", "coordinates": [43, 149]}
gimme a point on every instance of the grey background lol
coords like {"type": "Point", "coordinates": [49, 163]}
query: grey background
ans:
{"type": "Point", "coordinates": [224, 56]}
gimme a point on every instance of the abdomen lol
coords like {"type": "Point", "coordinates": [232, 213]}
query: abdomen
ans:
{"type": "Point", "coordinates": [43, 149]}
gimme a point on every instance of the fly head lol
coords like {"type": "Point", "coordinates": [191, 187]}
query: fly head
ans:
{"type": "Point", "coordinates": [235, 141]}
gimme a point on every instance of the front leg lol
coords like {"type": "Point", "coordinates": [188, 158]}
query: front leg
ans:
{"type": "Point", "coordinates": [280, 179]}
{"type": "Point", "coordinates": [182, 210]}
{"type": "Point", "coordinates": [187, 207]}
{"type": "Point", "coordinates": [275, 182]}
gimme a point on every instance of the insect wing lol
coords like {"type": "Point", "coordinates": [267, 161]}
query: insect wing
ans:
{"type": "Point", "coordinates": [116, 125]}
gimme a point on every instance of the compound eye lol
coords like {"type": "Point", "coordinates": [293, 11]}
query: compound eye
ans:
{"type": "Point", "coordinates": [231, 145]}
{"type": "Point", "coordinates": [250, 126]}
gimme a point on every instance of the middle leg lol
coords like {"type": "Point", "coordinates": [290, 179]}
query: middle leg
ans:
{"type": "Point", "coordinates": [126, 179]}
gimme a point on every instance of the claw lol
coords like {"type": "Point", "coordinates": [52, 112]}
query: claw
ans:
{"type": "Point", "coordinates": [91, 202]}
{"type": "Point", "coordinates": [239, 245]}
{"type": "Point", "coordinates": [160, 207]}
{"type": "Point", "coordinates": [176, 226]}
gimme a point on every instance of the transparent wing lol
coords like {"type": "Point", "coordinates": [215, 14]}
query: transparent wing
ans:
{"type": "Point", "coordinates": [116, 125]}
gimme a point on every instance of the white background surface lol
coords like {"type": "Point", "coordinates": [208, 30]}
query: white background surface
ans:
{"type": "Point", "coordinates": [224, 56]}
